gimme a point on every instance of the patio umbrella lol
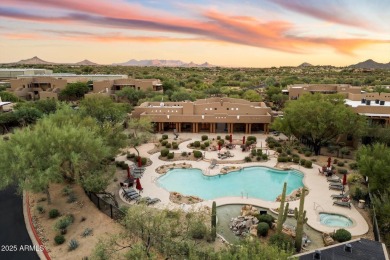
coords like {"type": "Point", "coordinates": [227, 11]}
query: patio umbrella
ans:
{"type": "Point", "coordinates": [231, 138]}
{"type": "Point", "coordinates": [345, 179]}
{"type": "Point", "coordinates": [139, 161]}
{"type": "Point", "coordinates": [219, 147]}
{"type": "Point", "coordinates": [243, 140]}
{"type": "Point", "coordinates": [138, 184]}
{"type": "Point", "coordinates": [128, 172]}
{"type": "Point", "coordinates": [329, 160]}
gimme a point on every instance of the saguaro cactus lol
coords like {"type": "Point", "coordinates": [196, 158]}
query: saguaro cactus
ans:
{"type": "Point", "coordinates": [283, 211]}
{"type": "Point", "coordinates": [214, 220]}
{"type": "Point", "coordinates": [300, 216]}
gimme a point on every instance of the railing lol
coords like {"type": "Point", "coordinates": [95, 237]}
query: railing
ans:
{"type": "Point", "coordinates": [110, 210]}
{"type": "Point", "coordinates": [375, 226]}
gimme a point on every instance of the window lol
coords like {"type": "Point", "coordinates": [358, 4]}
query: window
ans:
{"type": "Point", "coordinates": [215, 108]}
{"type": "Point", "coordinates": [227, 108]}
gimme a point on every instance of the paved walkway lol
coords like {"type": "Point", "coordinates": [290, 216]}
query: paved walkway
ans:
{"type": "Point", "coordinates": [318, 200]}
{"type": "Point", "coordinates": [13, 236]}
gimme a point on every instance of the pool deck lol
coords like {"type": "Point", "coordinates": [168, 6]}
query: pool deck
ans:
{"type": "Point", "coordinates": [318, 200]}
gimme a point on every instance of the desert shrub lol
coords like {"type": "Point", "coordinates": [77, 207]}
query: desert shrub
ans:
{"type": "Point", "coordinates": [262, 229]}
{"type": "Point", "coordinates": [168, 145]}
{"type": "Point", "coordinates": [302, 161]}
{"type": "Point", "coordinates": [197, 154]}
{"type": "Point", "coordinates": [227, 137]}
{"type": "Point", "coordinates": [358, 191]}
{"type": "Point", "coordinates": [345, 151]}
{"type": "Point", "coordinates": [340, 163]}
{"type": "Point", "coordinates": [40, 209]}
{"type": "Point", "coordinates": [253, 152]}
{"type": "Point", "coordinates": [59, 239]}
{"type": "Point", "coordinates": [73, 244]}
{"type": "Point", "coordinates": [271, 145]}
{"type": "Point", "coordinates": [252, 138]}
{"type": "Point", "coordinates": [64, 222]}
{"type": "Point", "coordinates": [196, 144]}
{"type": "Point", "coordinates": [308, 153]}
{"type": "Point", "coordinates": [267, 218]}
{"type": "Point", "coordinates": [164, 143]}
{"type": "Point", "coordinates": [335, 161]}
{"type": "Point", "coordinates": [342, 171]}
{"type": "Point", "coordinates": [279, 149]}
{"type": "Point", "coordinates": [67, 189]}
{"type": "Point", "coordinates": [353, 166]}
{"type": "Point", "coordinates": [258, 158]}
{"type": "Point", "coordinates": [72, 197]}
{"type": "Point", "coordinates": [282, 241]}
{"type": "Point", "coordinates": [259, 152]}
{"type": "Point", "coordinates": [218, 137]}
{"type": "Point", "coordinates": [248, 159]}
{"type": "Point", "coordinates": [170, 155]}
{"type": "Point", "coordinates": [296, 159]}
{"type": "Point", "coordinates": [342, 235]}
{"type": "Point", "coordinates": [144, 161]}
{"type": "Point", "coordinates": [164, 152]}
{"type": "Point", "coordinates": [353, 178]}
{"type": "Point", "coordinates": [288, 151]}
{"type": "Point", "coordinates": [308, 164]}
{"type": "Point", "coordinates": [204, 137]}
{"type": "Point", "coordinates": [175, 146]}
{"type": "Point", "coordinates": [198, 230]}
{"type": "Point", "coordinates": [282, 159]}
{"type": "Point", "coordinates": [221, 142]}
{"type": "Point", "coordinates": [87, 232]}
{"type": "Point", "coordinates": [183, 153]}
{"type": "Point", "coordinates": [202, 146]}
{"type": "Point", "coordinates": [264, 156]}
{"type": "Point", "coordinates": [207, 144]}
{"type": "Point", "coordinates": [53, 213]}
{"type": "Point", "coordinates": [164, 137]}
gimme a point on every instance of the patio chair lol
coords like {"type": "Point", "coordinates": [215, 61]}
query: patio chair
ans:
{"type": "Point", "coordinates": [133, 197]}
{"type": "Point", "coordinates": [342, 203]}
{"type": "Point", "coordinates": [152, 201]}
{"type": "Point", "coordinates": [129, 191]}
{"type": "Point", "coordinates": [338, 196]}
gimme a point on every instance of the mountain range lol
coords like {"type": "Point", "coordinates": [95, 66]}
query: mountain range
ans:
{"type": "Point", "coordinates": [368, 64]}
{"type": "Point", "coordinates": [142, 63]}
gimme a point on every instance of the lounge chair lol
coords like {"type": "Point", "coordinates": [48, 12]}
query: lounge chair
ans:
{"type": "Point", "coordinates": [129, 191]}
{"type": "Point", "coordinates": [152, 201]}
{"type": "Point", "coordinates": [213, 164]}
{"type": "Point", "coordinates": [333, 179]}
{"type": "Point", "coordinates": [336, 187]}
{"type": "Point", "coordinates": [342, 203]}
{"type": "Point", "coordinates": [132, 197]}
{"type": "Point", "coordinates": [339, 196]}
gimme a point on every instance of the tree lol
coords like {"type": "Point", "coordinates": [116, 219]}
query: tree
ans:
{"type": "Point", "coordinates": [252, 96]}
{"type": "Point", "coordinates": [103, 109]}
{"type": "Point", "coordinates": [132, 95]}
{"type": "Point", "coordinates": [140, 132]}
{"type": "Point", "coordinates": [181, 96]}
{"type": "Point", "coordinates": [62, 146]}
{"type": "Point", "coordinates": [374, 162]}
{"type": "Point", "coordinates": [318, 119]}
{"type": "Point", "coordinates": [7, 96]}
{"type": "Point", "coordinates": [74, 91]}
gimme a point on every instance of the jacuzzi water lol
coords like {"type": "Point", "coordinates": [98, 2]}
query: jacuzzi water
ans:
{"type": "Point", "coordinates": [252, 182]}
{"type": "Point", "coordinates": [335, 220]}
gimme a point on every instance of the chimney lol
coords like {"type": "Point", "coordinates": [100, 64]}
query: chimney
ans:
{"type": "Point", "coordinates": [317, 254]}
{"type": "Point", "coordinates": [368, 102]}
{"type": "Point", "coordinates": [348, 248]}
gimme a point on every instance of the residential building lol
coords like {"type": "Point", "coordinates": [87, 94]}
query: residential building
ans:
{"type": "Point", "coordinates": [34, 88]}
{"type": "Point", "coordinates": [296, 90]}
{"type": "Point", "coordinates": [73, 78]}
{"type": "Point", "coordinates": [207, 115]}
{"type": "Point", "coordinates": [360, 248]}
{"type": "Point", "coordinates": [110, 86]}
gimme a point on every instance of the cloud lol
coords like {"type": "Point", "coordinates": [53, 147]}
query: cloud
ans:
{"type": "Point", "coordinates": [327, 11]}
{"type": "Point", "coordinates": [210, 25]}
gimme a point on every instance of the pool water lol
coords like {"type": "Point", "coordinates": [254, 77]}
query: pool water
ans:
{"type": "Point", "coordinates": [253, 182]}
{"type": "Point", "coordinates": [335, 220]}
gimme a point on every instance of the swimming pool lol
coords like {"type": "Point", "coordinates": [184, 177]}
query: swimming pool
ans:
{"type": "Point", "coordinates": [255, 182]}
{"type": "Point", "coordinates": [335, 220]}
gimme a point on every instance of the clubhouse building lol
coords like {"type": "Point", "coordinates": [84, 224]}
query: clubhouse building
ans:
{"type": "Point", "coordinates": [212, 115]}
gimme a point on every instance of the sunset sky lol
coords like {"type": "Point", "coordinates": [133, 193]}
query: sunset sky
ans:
{"type": "Point", "coordinates": [259, 33]}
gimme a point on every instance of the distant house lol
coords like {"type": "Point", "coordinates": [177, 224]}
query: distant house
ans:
{"type": "Point", "coordinates": [359, 249]}
{"type": "Point", "coordinates": [39, 87]}
{"type": "Point", "coordinates": [297, 90]}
